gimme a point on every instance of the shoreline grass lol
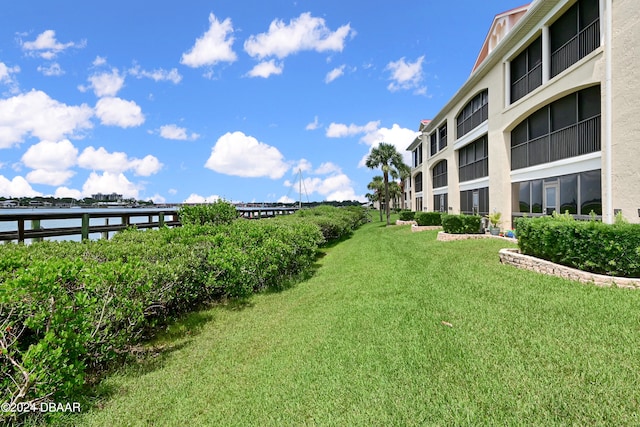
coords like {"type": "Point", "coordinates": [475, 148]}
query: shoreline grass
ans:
{"type": "Point", "coordinates": [394, 328]}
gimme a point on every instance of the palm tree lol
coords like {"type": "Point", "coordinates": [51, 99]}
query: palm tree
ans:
{"type": "Point", "coordinates": [386, 157]}
{"type": "Point", "coordinates": [377, 185]}
{"type": "Point", "coordinates": [395, 192]}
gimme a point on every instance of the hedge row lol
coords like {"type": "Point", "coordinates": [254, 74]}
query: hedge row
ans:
{"type": "Point", "coordinates": [69, 308]}
{"type": "Point", "coordinates": [612, 249]}
{"type": "Point", "coordinates": [407, 215]}
{"type": "Point", "coordinates": [461, 224]}
{"type": "Point", "coordinates": [428, 218]}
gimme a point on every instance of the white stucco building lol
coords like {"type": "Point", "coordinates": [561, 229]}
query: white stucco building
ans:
{"type": "Point", "coordinates": [546, 121]}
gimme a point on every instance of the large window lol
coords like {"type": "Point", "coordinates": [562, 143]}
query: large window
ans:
{"type": "Point", "coordinates": [417, 156]}
{"type": "Point", "coordinates": [574, 35]}
{"type": "Point", "coordinates": [473, 160]}
{"type": "Point", "coordinates": [442, 137]}
{"type": "Point", "coordinates": [433, 139]}
{"type": "Point", "coordinates": [566, 128]}
{"type": "Point", "coordinates": [473, 114]}
{"type": "Point", "coordinates": [439, 174]}
{"type": "Point", "coordinates": [417, 182]}
{"type": "Point", "coordinates": [526, 70]}
{"type": "Point", "coordinates": [579, 194]}
{"type": "Point", "coordinates": [475, 202]}
{"type": "Point", "coordinates": [440, 203]}
{"type": "Point", "coordinates": [438, 139]}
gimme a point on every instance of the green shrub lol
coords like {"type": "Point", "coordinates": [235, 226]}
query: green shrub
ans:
{"type": "Point", "coordinates": [407, 215]}
{"type": "Point", "coordinates": [461, 224]}
{"type": "Point", "coordinates": [220, 212]}
{"type": "Point", "coordinates": [428, 218]}
{"type": "Point", "coordinates": [612, 249]}
{"type": "Point", "coordinates": [72, 308]}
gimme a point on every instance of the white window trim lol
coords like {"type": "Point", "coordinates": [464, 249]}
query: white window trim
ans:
{"type": "Point", "coordinates": [568, 166]}
{"type": "Point", "coordinates": [476, 133]}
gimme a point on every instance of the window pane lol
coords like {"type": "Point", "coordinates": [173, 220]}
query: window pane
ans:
{"type": "Point", "coordinates": [538, 124]}
{"type": "Point", "coordinates": [563, 112]}
{"type": "Point", "coordinates": [535, 53]}
{"type": "Point", "coordinates": [589, 12]}
{"type": "Point", "coordinates": [519, 67]}
{"type": "Point", "coordinates": [519, 134]}
{"type": "Point", "coordinates": [569, 194]}
{"type": "Point", "coordinates": [536, 196]}
{"type": "Point", "coordinates": [590, 193]}
{"type": "Point", "coordinates": [564, 29]}
{"type": "Point", "coordinates": [589, 103]}
{"type": "Point", "coordinates": [524, 197]}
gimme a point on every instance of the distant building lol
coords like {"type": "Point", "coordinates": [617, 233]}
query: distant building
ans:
{"type": "Point", "coordinates": [113, 197]}
{"type": "Point", "coordinates": [545, 122]}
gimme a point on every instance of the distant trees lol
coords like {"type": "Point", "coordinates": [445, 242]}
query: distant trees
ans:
{"type": "Point", "coordinates": [386, 157]}
{"type": "Point", "coordinates": [377, 186]}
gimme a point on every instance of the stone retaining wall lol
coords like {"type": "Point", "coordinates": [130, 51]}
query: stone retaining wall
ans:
{"type": "Point", "coordinates": [446, 237]}
{"type": "Point", "coordinates": [515, 258]}
{"type": "Point", "coordinates": [425, 227]}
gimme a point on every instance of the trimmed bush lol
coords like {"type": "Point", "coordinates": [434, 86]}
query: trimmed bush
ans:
{"type": "Point", "coordinates": [461, 224]}
{"type": "Point", "coordinates": [612, 249]}
{"type": "Point", "coordinates": [69, 309]}
{"type": "Point", "coordinates": [428, 218]}
{"type": "Point", "coordinates": [220, 212]}
{"type": "Point", "coordinates": [407, 215]}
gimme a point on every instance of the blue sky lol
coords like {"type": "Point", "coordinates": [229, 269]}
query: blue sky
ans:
{"type": "Point", "coordinates": [190, 101]}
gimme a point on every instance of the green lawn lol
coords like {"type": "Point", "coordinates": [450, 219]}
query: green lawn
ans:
{"type": "Point", "coordinates": [395, 328]}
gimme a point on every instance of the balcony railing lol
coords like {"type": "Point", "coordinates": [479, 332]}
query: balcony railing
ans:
{"type": "Point", "coordinates": [474, 120]}
{"type": "Point", "coordinates": [526, 83]}
{"type": "Point", "coordinates": [583, 43]}
{"type": "Point", "coordinates": [477, 169]}
{"type": "Point", "coordinates": [575, 140]}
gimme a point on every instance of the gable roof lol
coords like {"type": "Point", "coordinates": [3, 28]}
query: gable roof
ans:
{"type": "Point", "coordinates": [502, 24]}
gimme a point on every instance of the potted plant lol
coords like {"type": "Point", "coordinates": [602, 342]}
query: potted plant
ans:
{"type": "Point", "coordinates": [494, 219]}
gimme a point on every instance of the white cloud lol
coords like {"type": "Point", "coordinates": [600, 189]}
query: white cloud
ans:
{"type": "Point", "coordinates": [46, 46]}
{"type": "Point", "coordinates": [52, 70]}
{"type": "Point", "coordinates": [17, 187]}
{"type": "Point", "coordinates": [406, 75]}
{"type": "Point", "coordinates": [51, 156]}
{"type": "Point", "coordinates": [108, 183]}
{"type": "Point", "coordinates": [339, 130]}
{"type": "Point", "coordinates": [157, 75]}
{"type": "Point", "coordinates": [175, 132]}
{"type": "Point", "coordinates": [214, 46]}
{"type": "Point", "coordinates": [35, 113]}
{"type": "Point", "coordinates": [285, 199]}
{"type": "Point", "coordinates": [62, 192]}
{"type": "Point", "coordinates": [372, 135]}
{"type": "Point", "coordinates": [334, 74]}
{"type": "Point", "coordinates": [6, 77]}
{"type": "Point", "coordinates": [303, 33]}
{"type": "Point", "coordinates": [265, 69]}
{"type": "Point", "coordinates": [146, 166]}
{"type": "Point", "coordinates": [337, 187]}
{"type": "Point", "coordinates": [157, 198]}
{"type": "Point", "coordinates": [314, 124]}
{"type": "Point", "coordinates": [327, 168]}
{"type": "Point", "coordinates": [118, 112]}
{"type": "Point", "coordinates": [242, 155]}
{"type": "Point", "coordinates": [99, 61]}
{"type": "Point", "coordinates": [173, 191]}
{"type": "Point", "coordinates": [303, 165]}
{"type": "Point", "coordinates": [47, 177]}
{"type": "Point", "coordinates": [107, 84]}
{"type": "Point", "coordinates": [117, 162]}
{"type": "Point", "coordinates": [196, 198]}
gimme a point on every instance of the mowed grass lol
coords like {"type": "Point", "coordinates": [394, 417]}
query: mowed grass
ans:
{"type": "Point", "coordinates": [394, 329]}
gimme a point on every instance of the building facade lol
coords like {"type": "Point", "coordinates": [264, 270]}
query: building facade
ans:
{"type": "Point", "coordinates": [546, 121]}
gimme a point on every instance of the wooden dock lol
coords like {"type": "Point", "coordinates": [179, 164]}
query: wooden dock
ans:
{"type": "Point", "coordinates": [145, 218]}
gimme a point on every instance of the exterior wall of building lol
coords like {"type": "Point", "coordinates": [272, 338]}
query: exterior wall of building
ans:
{"type": "Point", "coordinates": [625, 146]}
{"type": "Point", "coordinates": [504, 116]}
